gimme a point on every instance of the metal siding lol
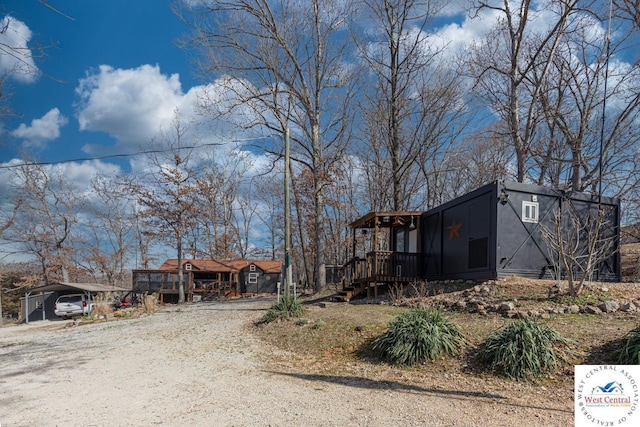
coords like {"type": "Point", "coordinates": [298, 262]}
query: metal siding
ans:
{"type": "Point", "coordinates": [522, 247]}
{"type": "Point", "coordinates": [447, 231]}
{"type": "Point", "coordinates": [455, 226]}
{"type": "Point", "coordinates": [431, 244]}
{"type": "Point", "coordinates": [479, 232]}
{"type": "Point", "coordinates": [514, 247]}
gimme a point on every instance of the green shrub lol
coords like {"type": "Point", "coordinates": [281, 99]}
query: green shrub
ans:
{"type": "Point", "coordinates": [630, 352]}
{"type": "Point", "coordinates": [523, 349]}
{"type": "Point", "coordinates": [319, 324]}
{"type": "Point", "coordinates": [287, 307]}
{"type": "Point", "coordinates": [417, 336]}
{"type": "Point", "coordinates": [302, 322]}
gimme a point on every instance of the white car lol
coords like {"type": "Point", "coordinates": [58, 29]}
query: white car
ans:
{"type": "Point", "coordinates": [73, 305]}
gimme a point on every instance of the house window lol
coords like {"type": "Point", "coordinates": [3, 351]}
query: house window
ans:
{"type": "Point", "coordinates": [253, 277]}
{"type": "Point", "coordinates": [252, 267]}
{"type": "Point", "coordinates": [530, 211]}
{"type": "Point", "coordinates": [187, 266]}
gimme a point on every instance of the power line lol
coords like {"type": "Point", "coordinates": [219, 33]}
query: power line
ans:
{"type": "Point", "coordinates": [123, 155]}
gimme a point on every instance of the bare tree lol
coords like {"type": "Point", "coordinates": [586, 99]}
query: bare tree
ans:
{"type": "Point", "coordinates": [285, 63]}
{"type": "Point", "coordinates": [582, 120]}
{"type": "Point", "coordinates": [503, 63]}
{"type": "Point", "coordinates": [578, 244]}
{"type": "Point", "coordinates": [47, 216]}
{"type": "Point", "coordinates": [629, 9]}
{"type": "Point", "coordinates": [109, 236]}
{"type": "Point", "coordinates": [413, 102]}
{"type": "Point", "coordinates": [268, 193]}
{"type": "Point", "coordinates": [217, 198]}
{"type": "Point", "coordinates": [167, 194]}
{"type": "Point", "coordinates": [19, 57]}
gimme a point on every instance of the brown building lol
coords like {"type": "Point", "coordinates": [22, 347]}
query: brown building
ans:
{"type": "Point", "coordinates": [205, 279]}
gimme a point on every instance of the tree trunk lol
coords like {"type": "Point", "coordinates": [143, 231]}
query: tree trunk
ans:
{"type": "Point", "coordinates": [181, 297]}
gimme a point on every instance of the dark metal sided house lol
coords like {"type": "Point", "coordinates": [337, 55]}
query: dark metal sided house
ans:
{"type": "Point", "coordinates": [495, 231]}
{"type": "Point", "coordinates": [498, 231]}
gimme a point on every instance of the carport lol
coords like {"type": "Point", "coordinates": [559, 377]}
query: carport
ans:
{"type": "Point", "coordinates": [47, 295]}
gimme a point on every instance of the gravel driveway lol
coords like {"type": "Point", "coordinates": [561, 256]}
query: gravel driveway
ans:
{"type": "Point", "coordinates": [196, 365]}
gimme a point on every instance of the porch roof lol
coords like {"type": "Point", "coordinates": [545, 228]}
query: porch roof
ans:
{"type": "Point", "coordinates": [384, 219]}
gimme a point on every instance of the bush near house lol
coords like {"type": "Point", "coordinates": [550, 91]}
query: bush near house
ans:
{"type": "Point", "coordinates": [287, 307]}
{"type": "Point", "coordinates": [420, 335]}
{"type": "Point", "coordinates": [524, 349]}
{"type": "Point", "coordinates": [630, 352]}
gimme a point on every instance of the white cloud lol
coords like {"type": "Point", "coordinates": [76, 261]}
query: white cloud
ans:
{"type": "Point", "coordinates": [135, 105]}
{"type": "Point", "coordinates": [131, 105]}
{"type": "Point", "coordinates": [15, 56]}
{"type": "Point", "coordinates": [41, 130]}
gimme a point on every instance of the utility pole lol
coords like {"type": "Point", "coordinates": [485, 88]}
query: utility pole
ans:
{"type": "Point", "coordinates": [287, 216]}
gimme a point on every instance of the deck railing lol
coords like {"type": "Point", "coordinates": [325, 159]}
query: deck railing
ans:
{"type": "Point", "coordinates": [381, 266]}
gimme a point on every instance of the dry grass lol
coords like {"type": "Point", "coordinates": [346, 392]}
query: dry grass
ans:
{"type": "Point", "coordinates": [102, 305]}
{"type": "Point", "coordinates": [340, 346]}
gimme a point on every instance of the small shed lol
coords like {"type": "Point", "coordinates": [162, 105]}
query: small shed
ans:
{"type": "Point", "coordinates": [38, 303]}
{"type": "Point", "coordinates": [497, 231]}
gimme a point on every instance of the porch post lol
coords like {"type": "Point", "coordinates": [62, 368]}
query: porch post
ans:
{"type": "Point", "coordinates": [375, 258]}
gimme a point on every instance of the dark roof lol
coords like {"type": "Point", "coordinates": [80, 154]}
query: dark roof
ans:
{"type": "Point", "coordinates": [68, 286]}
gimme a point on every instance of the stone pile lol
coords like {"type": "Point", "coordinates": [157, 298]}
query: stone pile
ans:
{"type": "Point", "coordinates": [481, 299]}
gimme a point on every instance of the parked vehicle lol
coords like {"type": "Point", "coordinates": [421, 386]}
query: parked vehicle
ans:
{"type": "Point", "coordinates": [73, 305]}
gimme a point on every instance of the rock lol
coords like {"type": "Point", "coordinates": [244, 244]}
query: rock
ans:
{"type": "Point", "coordinates": [485, 290]}
{"type": "Point", "coordinates": [460, 305]}
{"type": "Point", "coordinates": [609, 306]}
{"type": "Point", "coordinates": [507, 306]}
{"type": "Point", "coordinates": [572, 309]}
{"type": "Point", "coordinates": [628, 307]}
{"type": "Point", "coordinates": [557, 289]}
{"type": "Point", "coordinates": [591, 309]}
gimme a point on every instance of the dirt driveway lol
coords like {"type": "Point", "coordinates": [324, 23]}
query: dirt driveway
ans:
{"type": "Point", "coordinates": [197, 365]}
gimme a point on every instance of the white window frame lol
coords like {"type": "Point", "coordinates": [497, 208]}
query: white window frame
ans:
{"type": "Point", "coordinates": [530, 211]}
{"type": "Point", "coordinates": [252, 267]}
{"type": "Point", "coordinates": [187, 266]}
{"type": "Point", "coordinates": [253, 278]}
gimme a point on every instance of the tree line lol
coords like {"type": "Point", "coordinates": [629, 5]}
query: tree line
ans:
{"type": "Point", "coordinates": [383, 115]}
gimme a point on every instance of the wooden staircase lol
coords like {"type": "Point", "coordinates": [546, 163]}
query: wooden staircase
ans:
{"type": "Point", "coordinates": [352, 290]}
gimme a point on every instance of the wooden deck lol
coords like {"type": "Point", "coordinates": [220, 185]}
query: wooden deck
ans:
{"type": "Point", "coordinates": [377, 269]}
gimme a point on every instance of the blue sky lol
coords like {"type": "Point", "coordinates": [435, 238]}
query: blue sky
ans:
{"type": "Point", "coordinates": [114, 76]}
{"type": "Point", "coordinates": [117, 35]}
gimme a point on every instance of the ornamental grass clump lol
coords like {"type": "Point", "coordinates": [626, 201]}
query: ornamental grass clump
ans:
{"type": "Point", "coordinates": [524, 349]}
{"type": "Point", "coordinates": [287, 307]}
{"type": "Point", "coordinates": [630, 351]}
{"type": "Point", "coordinates": [418, 336]}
